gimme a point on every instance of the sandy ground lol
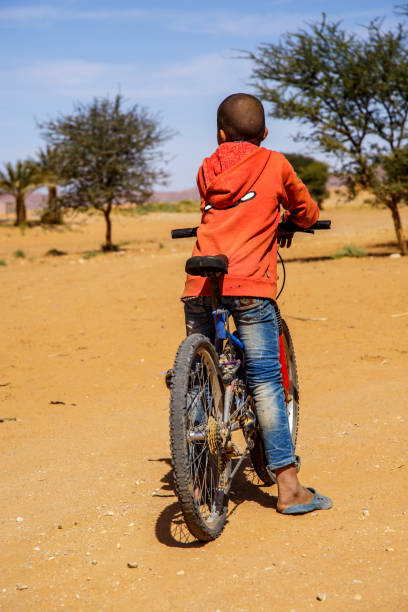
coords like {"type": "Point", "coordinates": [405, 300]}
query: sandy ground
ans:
{"type": "Point", "coordinates": [85, 469]}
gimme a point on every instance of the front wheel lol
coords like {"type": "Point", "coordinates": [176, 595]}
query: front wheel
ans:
{"type": "Point", "coordinates": [196, 408]}
{"type": "Point", "coordinates": [258, 457]}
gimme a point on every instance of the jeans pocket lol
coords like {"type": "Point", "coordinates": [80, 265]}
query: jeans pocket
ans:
{"type": "Point", "coordinates": [194, 306]}
{"type": "Point", "coordinates": [246, 303]}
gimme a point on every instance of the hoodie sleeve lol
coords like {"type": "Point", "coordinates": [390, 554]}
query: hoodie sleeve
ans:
{"type": "Point", "coordinates": [300, 207]}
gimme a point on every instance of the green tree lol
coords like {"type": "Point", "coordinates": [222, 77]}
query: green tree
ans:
{"type": "Point", "coordinates": [391, 184]}
{"type": "Point", "coordinates": [18, 180]}
{"type": "Point", "coordinates": [350, 91]}
{"type": "Point", "coordinates": [313, 173]}
{"type": "Point", "coordinates": [108, 155]}
{"type": "Point", "coordinates": [47, 164]}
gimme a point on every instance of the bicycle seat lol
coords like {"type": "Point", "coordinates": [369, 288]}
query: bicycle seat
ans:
{"type": "Point", "coordinates": [208, 265]}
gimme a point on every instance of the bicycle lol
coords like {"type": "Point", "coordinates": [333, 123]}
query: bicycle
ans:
{"type": "Point", "coordinates": [210, 400]}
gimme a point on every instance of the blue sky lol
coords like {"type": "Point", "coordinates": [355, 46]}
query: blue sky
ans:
{"type": "Point", "coordinates": [176, 58]}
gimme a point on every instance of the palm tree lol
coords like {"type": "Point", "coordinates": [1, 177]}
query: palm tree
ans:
{"type": "Point", "coordinates": [47, 168]}
{"type": "Point", "coordinates": [18, 180]}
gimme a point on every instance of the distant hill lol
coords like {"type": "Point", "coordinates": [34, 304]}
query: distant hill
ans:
{"type": "Point", "coordinates": [176, 196]}
{"type": "Point", "coordinates": [38, 200]}
{"type": "Point", "coordinates": [192, 194]}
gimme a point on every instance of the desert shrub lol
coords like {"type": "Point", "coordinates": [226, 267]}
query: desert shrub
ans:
{"type": "Point", "coordinates": [350, 250]}
{"type": "Point", "coordinates": [90, 254]}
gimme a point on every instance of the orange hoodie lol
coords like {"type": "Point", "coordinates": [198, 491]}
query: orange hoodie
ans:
{"type": "Point", "coordinates": [242, 187]}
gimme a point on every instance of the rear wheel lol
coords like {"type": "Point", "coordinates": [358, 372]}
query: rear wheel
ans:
{"type": "Point", "coordinates": [292, 407]}
{"type": "Point", "coordinates": [196, 408]}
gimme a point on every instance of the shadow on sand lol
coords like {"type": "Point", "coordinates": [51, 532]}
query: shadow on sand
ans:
{"type": "Point", "coordinates": [171, 529]}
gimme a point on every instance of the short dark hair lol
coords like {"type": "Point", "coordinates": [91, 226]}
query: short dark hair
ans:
{"type": "Point", "coordinates": [242, 117]}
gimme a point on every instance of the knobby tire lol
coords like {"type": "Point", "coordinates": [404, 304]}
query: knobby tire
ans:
{"type": "Point", "coordinates": [197, 393]}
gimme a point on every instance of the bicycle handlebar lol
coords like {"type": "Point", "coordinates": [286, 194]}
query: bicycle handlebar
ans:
{"type": "Point", "coordinates": [284, 226]}
{"type": "Point", "coordinates": [185, 232]}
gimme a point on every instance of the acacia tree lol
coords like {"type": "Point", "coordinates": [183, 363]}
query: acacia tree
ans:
{"type": "Point", "coordinates": [350, 91]}
{"type": "Point", "coordinates": [392, 187]}
{"type": "Point", "coordinates": [313, 173]}
{"type": "Point", "coordinates": [18, 180]}
{"type": "Point", "coordinates": [108, 155]}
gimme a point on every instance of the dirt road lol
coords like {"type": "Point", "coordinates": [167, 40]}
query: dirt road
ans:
{"type": "Point", "coordinates": [85, 470]}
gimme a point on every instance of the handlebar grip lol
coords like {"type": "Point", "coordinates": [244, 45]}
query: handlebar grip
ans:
{"type": "Point", "coordinates": [290, 227]}
{"type": "Point", "coordinates": [325, 224]}
{"type": "Point", "coordinates": [185, 232]}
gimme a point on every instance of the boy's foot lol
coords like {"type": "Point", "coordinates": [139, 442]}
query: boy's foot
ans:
{"type": "Point", "coordinates": [288, 497]}
{"type": "Point", "coordinates": [293, 498]}
{"type": "Point", "coordinates": [318, 502]}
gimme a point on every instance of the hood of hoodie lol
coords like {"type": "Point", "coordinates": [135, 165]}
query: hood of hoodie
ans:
{"type": "Point", "coordinates": [230, 172]}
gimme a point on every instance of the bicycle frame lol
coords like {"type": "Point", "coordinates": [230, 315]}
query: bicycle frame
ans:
{"type": "Point", "coordinates": [221, 325]}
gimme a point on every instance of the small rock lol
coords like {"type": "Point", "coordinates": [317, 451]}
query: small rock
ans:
{"type": "Point", "coordinates": [180, 573]}
{"type": "Point", "coordinates": [132, 564]}
{"type": "Point", "coordinates": [21, 587]}
{"type": "Point", "coordinates": [395, 255]}
{"type": "Point", "coordinates": [109, 513]}
{"type": "Point", "coordinates": [59, 527]}
{"type": "Point", "coordinates": [321, 597]}
{"type": "Point", "coordinates": [358, 597]}
{"type": "Point", "coordinates": [366, 512]}
{"type": "Point", "coordinates": [19, 519]}
{"type": "Point", "coordinates": [389, 549]}
{"type": "Point", "coordinates": [94, 562]}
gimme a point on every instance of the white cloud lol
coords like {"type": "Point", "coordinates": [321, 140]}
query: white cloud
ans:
{"type": "Point", "coordinates": [233, 23]}
{"type": "Point", "coordinates": [201, 75]}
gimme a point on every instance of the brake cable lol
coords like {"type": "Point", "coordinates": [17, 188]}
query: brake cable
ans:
{"type": "Point", "coordinates": [284, 274]}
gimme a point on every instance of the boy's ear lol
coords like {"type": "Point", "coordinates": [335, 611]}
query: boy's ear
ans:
{"type": "Point", "coordinates": [265, 134]}
{"type": "Point", "coordinates": [221, 136]}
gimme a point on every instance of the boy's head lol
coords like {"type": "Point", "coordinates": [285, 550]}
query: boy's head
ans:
{"type": "Point", "coordinates": [241, 117]}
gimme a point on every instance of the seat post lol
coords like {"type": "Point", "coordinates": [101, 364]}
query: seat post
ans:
{"type": "Point", "coordinates": [215, 291]}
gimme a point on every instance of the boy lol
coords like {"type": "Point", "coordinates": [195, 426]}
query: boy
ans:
{"type": "Point", "coordinates": [242, 186]}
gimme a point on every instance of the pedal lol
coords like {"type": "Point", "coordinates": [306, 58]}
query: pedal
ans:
{"type": "Point", "coordinates": [232, 450]}
{"type": "Point", "coordinates": [247, 422]}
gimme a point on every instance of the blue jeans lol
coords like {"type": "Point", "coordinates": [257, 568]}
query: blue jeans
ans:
{"type": "Point", "coordinates": [257, 325]}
